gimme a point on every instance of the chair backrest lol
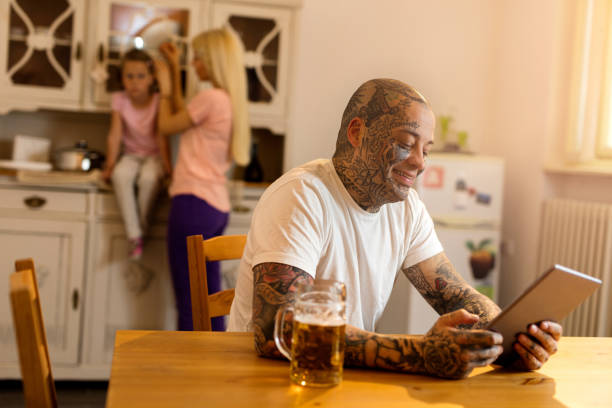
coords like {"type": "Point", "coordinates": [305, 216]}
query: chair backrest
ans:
{"type": "Point", "coordinates": [38, 385]}
{"type": "Point", "coordinates": [204, 306]}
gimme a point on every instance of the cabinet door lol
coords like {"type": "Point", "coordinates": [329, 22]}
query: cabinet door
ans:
{"type": "Point", "coordinates": [264, 32]}
{"type": "Point", "coordinates": [41, 48]}
{"type": "Point", "coordinates": [124, 294]}
{"type": "Point", "coordinates": [127, 24]}
{"type": "Point", "coordinates": [57, 248]}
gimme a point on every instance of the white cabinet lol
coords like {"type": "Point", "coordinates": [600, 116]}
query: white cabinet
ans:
{"type": "Point", "coordinates": [89, 289]}
{"type": "Point", "coordinates": [49, 57]}
{"type": "Point", "coordinates": [41, 52]}
{"type": "Point", "coordinates": [55, 237]}
{"type": "Point", "coordinates": [244, 198]}
{"type": "Point", "coordinates": [265, 33]}
{"type": "Point", "coordinates": [125, 24]}
{"type": "Point", "coordinates": [123, 294]}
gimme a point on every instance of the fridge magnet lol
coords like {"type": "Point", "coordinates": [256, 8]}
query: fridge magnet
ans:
{"type": "Point", "coordinates": [482, 262]}
{"type": "Point", "coordinates": [433, 177]}
{"type": "Point", "coordinates": [461, 195]}
{"type": "Point", "coordinates": [482, 198]}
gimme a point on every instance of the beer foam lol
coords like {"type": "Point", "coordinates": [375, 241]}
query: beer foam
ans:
{"type": "Point", "coordinates": [320, 320]}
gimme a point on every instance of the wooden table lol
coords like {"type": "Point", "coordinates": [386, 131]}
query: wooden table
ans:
{"type": "Point", "coordinates": [208, 369]}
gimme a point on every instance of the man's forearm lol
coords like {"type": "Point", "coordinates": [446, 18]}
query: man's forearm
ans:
{"type": "Point", "coordinates": [389, 352]}
{"type": "Point", "coordinates": [275, 286]}
{"type": "Point", "coordinates": [445, 290]}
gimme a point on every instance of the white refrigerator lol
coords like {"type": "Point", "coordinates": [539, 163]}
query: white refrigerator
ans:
{"type": "Point", "coordinates": [463, 194]}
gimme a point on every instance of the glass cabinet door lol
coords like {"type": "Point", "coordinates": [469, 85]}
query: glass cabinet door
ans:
{"type": "Point", "coordinates": [42, 52]}
{"type": "Point", "coordinates": [127, 24]}
{"type": "Point", "coordinates": [264, 35]}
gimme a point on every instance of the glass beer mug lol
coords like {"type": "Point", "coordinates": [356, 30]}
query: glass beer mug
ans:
{"type": "Point", "coordinates": [317, 342]}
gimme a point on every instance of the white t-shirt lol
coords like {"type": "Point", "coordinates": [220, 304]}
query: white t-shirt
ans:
{"type": "Point", "coordinates": [307, 219]}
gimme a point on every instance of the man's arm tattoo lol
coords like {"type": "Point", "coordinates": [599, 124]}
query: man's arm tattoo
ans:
{"type": "Point", "coordinates": [367, 349]}
{"type": "Point", "coordinates": [275, 285]}
{"type": "Point", "coordinates": [447, 292]}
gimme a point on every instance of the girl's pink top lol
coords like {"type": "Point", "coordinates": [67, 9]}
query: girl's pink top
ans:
{"type": "Point", "coordinates": [139, 125]}
{"type": "Point", "coordinates": [203, 156]}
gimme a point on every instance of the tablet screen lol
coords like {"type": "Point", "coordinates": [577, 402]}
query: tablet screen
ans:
{"type": "Point", "coordinates": [551, 297]}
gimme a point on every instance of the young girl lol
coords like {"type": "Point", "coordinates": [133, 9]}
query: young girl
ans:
{"type": "Point", "coordinates": [214, 131]}
{"type": "Point", "coordinates": [145, 153]}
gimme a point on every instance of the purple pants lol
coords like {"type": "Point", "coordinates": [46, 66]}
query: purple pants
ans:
{"type": "Point", "coordinates": [190, 215]}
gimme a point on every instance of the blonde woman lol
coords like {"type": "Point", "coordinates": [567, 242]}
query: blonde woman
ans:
{"type": "Point", "coordinates": [214, 132]}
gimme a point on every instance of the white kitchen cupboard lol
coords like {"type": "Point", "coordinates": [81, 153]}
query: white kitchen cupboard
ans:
{"type": "Point", "coordinates": [49, 57]}
{"type": "Point", "coordinates": [265, 33]}
{"type": "Point", "coordinates": [123, 294]}
{"type": "Point", "coordinates": [41, 53]}
{"type": "Point", "coordinates": [125, 24]}
{"type": "Point", "coordinates": [50, 227]}
{"type": "Point", "coordinates": [89, 289]}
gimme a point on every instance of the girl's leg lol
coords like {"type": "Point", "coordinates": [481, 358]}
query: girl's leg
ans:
{"type": "Point", "coordinates": [190, 215]}
{"type": "Point", "coordinates": [123, 177]}
{"type": "Point", "coordinates": [149, 183]}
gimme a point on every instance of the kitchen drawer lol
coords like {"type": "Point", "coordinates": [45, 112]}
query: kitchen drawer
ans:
{"type": "Point", "coordinates": [106, 206]}
{"type": "Point", "coordinates": [244, 198]}
{"type": "Point", "coordinates": [43, 200]}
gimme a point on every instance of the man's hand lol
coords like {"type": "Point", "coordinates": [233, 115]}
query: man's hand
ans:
{"type": "Point", "coordinates": [453, 353]}
{"type": "Point", "coordinates": [537, 347]}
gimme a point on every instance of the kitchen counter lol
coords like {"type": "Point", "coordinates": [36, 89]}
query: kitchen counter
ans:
{"type": "Point", "coordinates": [54, 180]}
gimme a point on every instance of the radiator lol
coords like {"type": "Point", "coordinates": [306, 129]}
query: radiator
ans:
{"type": "Point", "coordinates": [578, 235]}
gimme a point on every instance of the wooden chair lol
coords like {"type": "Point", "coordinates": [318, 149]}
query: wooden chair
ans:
{"type": "Point", "coordinates": [203, 306]}
{"type": "Point", "coordinates": [38, 385]}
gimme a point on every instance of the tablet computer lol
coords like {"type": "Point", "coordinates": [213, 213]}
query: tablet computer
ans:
{"type": "Point", "coordinates": [551, 297]}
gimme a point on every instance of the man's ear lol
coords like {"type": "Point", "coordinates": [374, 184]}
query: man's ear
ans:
{"type": "Point", "coordinates": [355, 131]}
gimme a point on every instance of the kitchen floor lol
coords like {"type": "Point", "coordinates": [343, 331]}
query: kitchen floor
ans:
{"type": "Point", "coordinates": [81, 394]}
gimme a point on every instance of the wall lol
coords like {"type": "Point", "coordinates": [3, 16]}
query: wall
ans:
{"type": "Point", "coordinates": [523, 101]}
{"type": "Point", "coordinates": [529, 119]}
{"type": "Point", "coordinates": [442, 47]}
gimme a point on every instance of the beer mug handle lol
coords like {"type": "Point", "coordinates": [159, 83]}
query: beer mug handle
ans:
{"type": "Point", "coordinates": [279, 339]}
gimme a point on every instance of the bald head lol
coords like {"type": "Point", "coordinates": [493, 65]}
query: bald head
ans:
{"type": "Point", "coordinates": [376, 99]}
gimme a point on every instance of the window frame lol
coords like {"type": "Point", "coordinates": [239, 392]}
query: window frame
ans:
{"type": "Point", "coordinates": [590, 116]}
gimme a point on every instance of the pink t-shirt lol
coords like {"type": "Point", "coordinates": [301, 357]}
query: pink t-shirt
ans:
{"type": "Point", "coordinates": [203, 156]}
{"type": "Point", "coordinates": [139, 125]}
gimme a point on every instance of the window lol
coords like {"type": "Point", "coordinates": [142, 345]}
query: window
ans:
{"type": "Point", "coordinates": [590, 116]}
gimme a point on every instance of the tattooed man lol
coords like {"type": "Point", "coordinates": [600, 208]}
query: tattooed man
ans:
{"type": "Point", "coordinates": [356, 219]}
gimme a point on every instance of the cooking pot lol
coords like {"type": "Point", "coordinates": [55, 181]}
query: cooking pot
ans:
{"type": "Point", "coordinates": [78, 158]}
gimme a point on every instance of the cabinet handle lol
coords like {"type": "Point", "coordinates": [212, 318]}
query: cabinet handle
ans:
{"type": "Point", "coordinates": [101, 53]}
{"type": "Point", "coordinates": [78, 51]}
{"type": "Point", "coordinates": [34, 202]}
{"type": "Point", "coordinates": [241, 209]}
{"type": "Point", "coordinates": [75, 299]}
